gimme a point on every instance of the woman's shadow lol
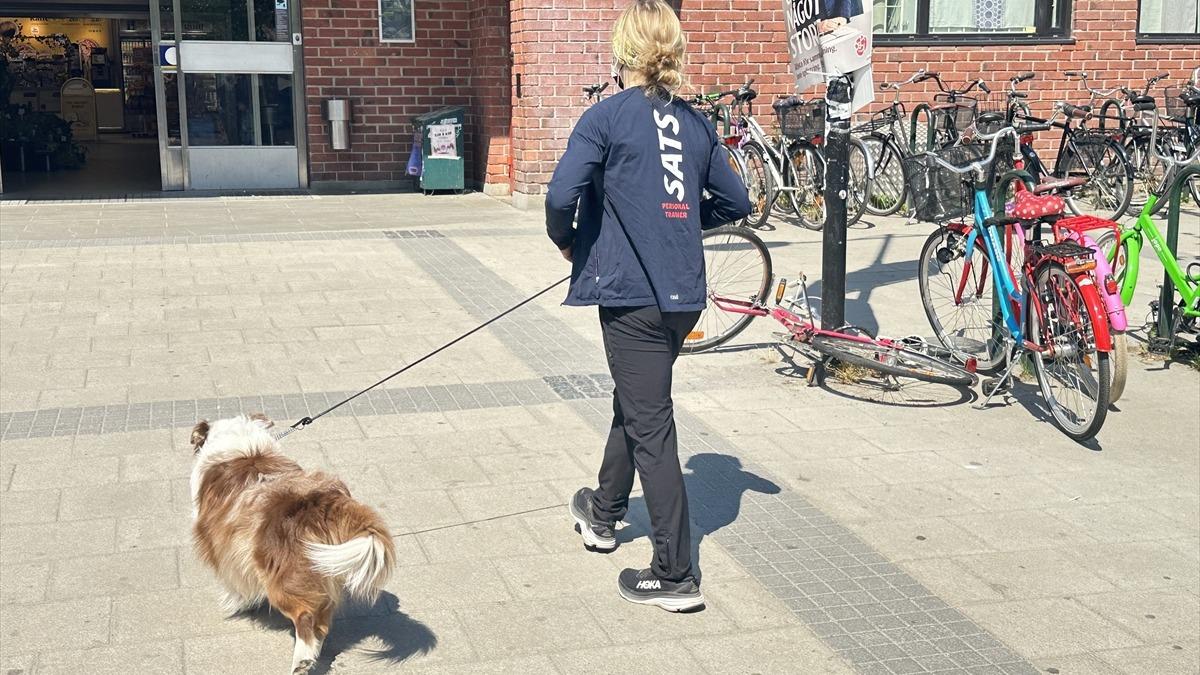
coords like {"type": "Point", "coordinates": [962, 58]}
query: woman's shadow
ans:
{"type": "Point", "coordinates": [393, 635]}
{"type": "Point", "coordinates": [715, 485]}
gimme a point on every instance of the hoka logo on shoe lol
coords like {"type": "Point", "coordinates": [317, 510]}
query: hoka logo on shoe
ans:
{"type": "Point", "coordinates": [649, 585]}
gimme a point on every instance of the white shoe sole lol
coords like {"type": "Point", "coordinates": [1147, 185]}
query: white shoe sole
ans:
{"type": "Point", "coordinates": [671, 604]}
{"type": "Point", "coordinates": [589, 537]}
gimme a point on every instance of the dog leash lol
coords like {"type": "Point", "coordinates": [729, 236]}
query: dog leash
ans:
{"type": "Point", "coordinates": [305, 421]}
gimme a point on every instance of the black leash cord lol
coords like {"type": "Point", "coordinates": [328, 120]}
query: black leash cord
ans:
{"type": "Point", "coordinates": [305, 421]}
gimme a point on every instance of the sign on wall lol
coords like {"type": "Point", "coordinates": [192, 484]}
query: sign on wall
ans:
{"type": "Point", "coordinates": [832, 37]}
{"type": "Point", "coordinates": [396, 21]}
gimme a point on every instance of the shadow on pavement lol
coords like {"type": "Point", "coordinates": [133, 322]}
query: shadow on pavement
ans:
{"type": "Point", "coordinates": [715, 485]}
{"type": "Point", "coordinates": [381, 622]}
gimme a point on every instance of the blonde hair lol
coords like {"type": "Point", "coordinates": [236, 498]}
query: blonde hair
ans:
{"type": "Point", "coordinates": [647, 40]}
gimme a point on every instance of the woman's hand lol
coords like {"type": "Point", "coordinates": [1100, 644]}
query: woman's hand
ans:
{"type": "Point", "coordinates": [567, 253]}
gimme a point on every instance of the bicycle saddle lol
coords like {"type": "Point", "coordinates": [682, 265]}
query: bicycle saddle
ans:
{"type": "Point", "coordinates": [1031, 207]}
{"type": "Point", "coordinates": [787, 103]}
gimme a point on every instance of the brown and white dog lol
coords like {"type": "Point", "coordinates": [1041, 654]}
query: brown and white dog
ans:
{"type": "Point", "coordinates": [273, 531]}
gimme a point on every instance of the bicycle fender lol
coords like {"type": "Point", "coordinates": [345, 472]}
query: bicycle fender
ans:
{"type": "Point", "coordinates": [1095, 307]}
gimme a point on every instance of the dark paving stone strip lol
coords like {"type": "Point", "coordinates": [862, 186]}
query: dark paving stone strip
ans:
{"type": "Point", "coordinates": [863, 606]}
{"type": "Point", "coordinates": [113, 419]}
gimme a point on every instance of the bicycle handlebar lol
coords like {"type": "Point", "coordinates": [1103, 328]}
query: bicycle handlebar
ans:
{"type": "Point", "coordinates": [1082, 112]}
{"type": "Point", "coordinates": [980, 164]}
{"type": "Point", "coordinates": [595, 89]}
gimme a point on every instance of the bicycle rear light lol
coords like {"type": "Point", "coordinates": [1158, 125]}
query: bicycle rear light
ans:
{"type": "Point", "coordinates": [972, 364]}
{"type": "Point", "coordinates": [1110, 284]}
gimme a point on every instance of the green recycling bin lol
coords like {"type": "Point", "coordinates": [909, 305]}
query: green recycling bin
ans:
{"type": "Point", "coordinates": [442, 165]}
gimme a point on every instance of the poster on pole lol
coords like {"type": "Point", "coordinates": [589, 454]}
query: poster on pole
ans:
{"type": "Point", "coordinates": [830, 36]}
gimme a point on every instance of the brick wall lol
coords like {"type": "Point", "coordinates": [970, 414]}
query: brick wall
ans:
{"type": "Point", "coordinates": [459, 43]}
{"type": "Point", "coordinates": [561, 45]}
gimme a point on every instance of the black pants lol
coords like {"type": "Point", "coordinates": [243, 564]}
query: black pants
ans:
{"type": "Point", "coordinates": [642, 344]}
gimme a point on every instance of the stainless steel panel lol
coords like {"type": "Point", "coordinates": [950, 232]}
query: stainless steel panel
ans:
{"type": "Point", "coordinates": [172, 168]}
{"type": "Point", "coordinates": [235, 57]}
{"type": "Point", "coordinates": [240, 167]}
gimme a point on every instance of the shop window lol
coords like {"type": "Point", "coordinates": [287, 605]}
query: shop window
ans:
{"type": "Point", "coordinates": [396, 21]}
{"type": "Point", "coordinates": [235, 20]}
{"type": "Point", "coordinates": [959, 21]}
{"type": "Point", "coordinates": [1169, 21]}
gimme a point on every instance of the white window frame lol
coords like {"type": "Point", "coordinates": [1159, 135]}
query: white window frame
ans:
{"type": "Point", "coordinates": [412, 19]}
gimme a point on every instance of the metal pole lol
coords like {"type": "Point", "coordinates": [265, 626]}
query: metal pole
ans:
{"type": "Point", "coordinates": [1166, 298]}
{"type": "Point", "coordinates": [837, 170]}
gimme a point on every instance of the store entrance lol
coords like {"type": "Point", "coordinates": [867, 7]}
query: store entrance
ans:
{"type": "Point", "coordinates": [78, 112]}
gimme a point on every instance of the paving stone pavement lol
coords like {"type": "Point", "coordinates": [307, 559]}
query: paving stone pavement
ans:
{"type": "Point", "coordinates": [835, 534]}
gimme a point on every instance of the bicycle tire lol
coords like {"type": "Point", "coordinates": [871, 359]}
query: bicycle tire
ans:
{"type": "Point", "coordinates": [748, 282]}
{"type": "Point", "coordinates": [808, 172]}
{"type": "Point", "coordinates": [1119, 260]}
{"type": "Point", "coordinates": [1046, 313]}
{"type": "Point", "coordinates": [1113, 165]}
{"type": "Point", "coordinates": [891, 360]}
{"type": "Point", "coordinates": [890, 188]}
{"type": "Point", "coordinates": [1119, 366]}
{"type": "Point", "coordinates": [760, 186]}
{"type": "Point", "coordinates": [735, 162]}
{"type": "Point", "coordinates": [975, 334]}
{"type": "Point", "coordinates": [859, 180]}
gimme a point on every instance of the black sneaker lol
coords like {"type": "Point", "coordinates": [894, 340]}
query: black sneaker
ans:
{"type": "Point", "coordinates": [642, 587]}
{"type": "Point", "coordinates": [597, 534]}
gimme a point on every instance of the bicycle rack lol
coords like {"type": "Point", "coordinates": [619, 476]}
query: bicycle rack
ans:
{"type": "Point", "coordinates": [1165, 342]}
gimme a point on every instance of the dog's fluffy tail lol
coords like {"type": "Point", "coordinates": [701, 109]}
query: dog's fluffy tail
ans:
{"type": "Point", "coordinates": [363, 564]}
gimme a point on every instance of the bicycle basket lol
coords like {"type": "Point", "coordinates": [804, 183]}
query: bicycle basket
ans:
{"type": "Point", "coordinates": [962, 114]}
{"type": "Point", "coordinates": [937, 193]}
{"type": "Point", "coordinates": [1176, 106]}
{"type": "Point", "coordinates": [803, 121]}
{"type": "Point", "coordinates": [880, 121]}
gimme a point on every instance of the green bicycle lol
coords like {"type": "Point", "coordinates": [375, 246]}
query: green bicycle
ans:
{"type": "Point", "coordinates": [1124, 251]}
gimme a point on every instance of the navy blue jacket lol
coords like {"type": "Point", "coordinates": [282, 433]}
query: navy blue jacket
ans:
{"type": "Point", "coordinates": [637, 167]}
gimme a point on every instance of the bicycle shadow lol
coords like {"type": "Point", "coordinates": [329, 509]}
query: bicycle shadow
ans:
{"type": "Point", "coordinates": [1029, 397]}
{"type": "Point", "coordinates": [715, 485]}
{"type": "Point", "coordinates": [398, 635]}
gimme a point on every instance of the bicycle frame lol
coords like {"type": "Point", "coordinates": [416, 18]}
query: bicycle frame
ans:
{"type": "Point", "coordinates": [1144, 228]}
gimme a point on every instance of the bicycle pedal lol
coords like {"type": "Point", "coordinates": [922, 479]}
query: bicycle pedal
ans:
{"type": "Point", "coordinates": [996, 385]}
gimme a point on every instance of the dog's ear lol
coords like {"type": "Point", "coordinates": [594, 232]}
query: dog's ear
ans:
{"type": "Point", "coordinates": [267, 422]}
{"type": "Point", "coordinates": [199, 434]}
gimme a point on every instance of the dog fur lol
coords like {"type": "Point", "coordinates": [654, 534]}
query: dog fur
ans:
{"type": "Point", "coordinates": [273, 531]}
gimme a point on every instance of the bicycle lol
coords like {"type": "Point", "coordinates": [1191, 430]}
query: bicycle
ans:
{"type": "Point", "coordinates": [952, 111]}
{"type": "Point", "coordinates": [887, 145]}
{"type": "Point", "coordinates": [1041, 301]}
{"type": "Point", "coordinates": [1179, 140]}
{"type": "Point", "coordinates": [1095, 173]}
{"type": "Point", "coordinates": [719, 115]}
{"type": "Point", "coordinates": [739, 273]}
{"type": "Point", "coordinates": [1011, 189]}
{"type": "Point", "coordinates": [1124, 249]}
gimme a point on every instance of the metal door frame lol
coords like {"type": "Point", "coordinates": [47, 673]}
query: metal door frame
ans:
{"type": "Point", "coordinates": [299, 113]}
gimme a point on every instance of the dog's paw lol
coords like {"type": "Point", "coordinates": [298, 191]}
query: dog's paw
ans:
{"type": "Point", "coordinates": [304, 667]}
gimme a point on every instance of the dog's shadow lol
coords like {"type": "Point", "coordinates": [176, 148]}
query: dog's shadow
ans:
{"type": "Point", "coordinates": [401, 636]}
{"type": "Point", "coordinates": [715, 486]}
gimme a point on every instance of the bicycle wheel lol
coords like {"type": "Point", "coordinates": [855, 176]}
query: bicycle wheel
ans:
{"type": "Point", "coordinates": [808, 174]}
{"type": "Point", "coordinates": [1120, 365]}
{"type": "Point", "coordinates": [1109, 186]}
{"type": "Point", "coordinates": [888, 190]}
{"type": "Point", "coordinates": [760, 186]}
{"type": "Point", "coordinates": [891, 360]}
{"type": "Point", "coordinates": [735, 163]}
{"type": "Point", "coordinates": [965, 321]}
{"type": "Point", "coordinates": [1075, 377]}
{"type": "Point", "coordinates": [737, 266]}
{"type": "Point", "coordinates": [1148, 172]}
{"type": "Point", "coordinates": [1119, 259]}
{"type": "Point", "coordinates": [859, 181]}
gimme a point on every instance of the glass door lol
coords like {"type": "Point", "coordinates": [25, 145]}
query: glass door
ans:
{"type": "Point", "coordinates": [229, 94]}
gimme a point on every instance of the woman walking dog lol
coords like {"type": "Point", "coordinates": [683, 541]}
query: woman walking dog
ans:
{"type": "Point", "coordinates": [644, 173]}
